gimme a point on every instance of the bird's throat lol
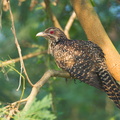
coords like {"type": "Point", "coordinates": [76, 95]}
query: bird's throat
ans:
{"type": "Point", "coordinates": [51, 46]}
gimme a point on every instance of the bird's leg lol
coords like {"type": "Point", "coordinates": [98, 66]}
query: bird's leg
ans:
{"type": "Point", "coordinates": [75, 81]}
{"type": "Point", "coordinates": [66, 80]}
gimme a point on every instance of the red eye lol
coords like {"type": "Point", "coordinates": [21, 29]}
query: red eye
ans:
{"type": "Point", "coordinates": [51, 32]}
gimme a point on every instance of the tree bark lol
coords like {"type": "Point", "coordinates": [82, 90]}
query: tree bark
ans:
{"type": "Point", "coordinates": [96, 33]}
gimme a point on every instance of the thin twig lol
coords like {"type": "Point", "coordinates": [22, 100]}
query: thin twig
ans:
{"type": "Point", "coordinates": [12, 108]}
{"type": "Point", "coordinates": [1, 14]}
{"type": "Point", "coordinates": [69, 24]}
{"type": "Point", "coordinates": [18, 46]}
{"type": "Point", "coordinates": [2, 64]}
{"type": "Point", "coordinates": [17, 102]}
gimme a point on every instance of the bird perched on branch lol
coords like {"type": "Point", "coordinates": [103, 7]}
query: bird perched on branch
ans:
{"type": "Point", "coordinates": [83, 60]}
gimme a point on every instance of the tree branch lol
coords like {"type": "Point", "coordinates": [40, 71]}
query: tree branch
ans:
{"type": "Point", "coordinates": [1, 14]}
{"type": "Point", "coordinates": [41, 82]}
{"type": "Point", "coordinates": [23, 57]}
{"type": "Point", "coordinates": [96, 33]}
{"type": "Point", "coordinates": [18, 46]}
{"type": "Point", "coordinates": [69, 24]}
{"type": "Point", "coordinates": [13, 107]}
{"type": "Point", "coordinates": [46, 5]}
{"type": "Point", "coordinates": [51, 15]}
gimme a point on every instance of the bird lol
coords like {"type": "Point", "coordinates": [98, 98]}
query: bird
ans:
{"type": "Point", "coordinates": [83, 60]}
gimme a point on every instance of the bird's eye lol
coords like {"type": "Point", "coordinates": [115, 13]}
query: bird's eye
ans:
{"type": "Point", "coordinates": [51, 32]}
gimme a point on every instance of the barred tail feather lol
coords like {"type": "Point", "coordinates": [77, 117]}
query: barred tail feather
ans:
{"type": "Point", "coordinates": [110, 86]}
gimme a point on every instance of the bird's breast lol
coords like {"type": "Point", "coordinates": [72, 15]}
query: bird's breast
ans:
{"type": "Point", "coordinates": [64, 57]}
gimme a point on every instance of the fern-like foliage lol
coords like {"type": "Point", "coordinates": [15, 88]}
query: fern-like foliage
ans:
{"type": "Point", "coordinates": [40, 110]}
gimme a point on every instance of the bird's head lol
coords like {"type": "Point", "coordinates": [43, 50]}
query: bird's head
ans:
{"type": "Point", "coordinates": [52, 34]}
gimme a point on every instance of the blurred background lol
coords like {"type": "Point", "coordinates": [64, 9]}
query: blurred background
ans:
{"type": "Point", "coordinates": [71, 100]}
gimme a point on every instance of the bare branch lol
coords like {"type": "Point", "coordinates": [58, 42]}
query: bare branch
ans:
{"type": "Point", "coordinates": [24, 58]}
{"type": "Point", "coordinates": [41, 82]}
{"type": "Point", "coordinates": [55, 21]}
{"type": "Point", "coordinates": [69, 24]}
{"type": "Point", "coordinates": [18, 46]}
{"type": "Point", "coordinates": [50, 13]}
{"type": "Point", "coordinates": [12, 108]}
{"type": "Point", "coordinates": [1, 14]}
{"type": "Point", "coordinates": [46, 5]}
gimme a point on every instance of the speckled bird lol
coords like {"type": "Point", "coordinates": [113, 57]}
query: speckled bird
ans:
{"type": "Point", "coordinates": [83, 60]}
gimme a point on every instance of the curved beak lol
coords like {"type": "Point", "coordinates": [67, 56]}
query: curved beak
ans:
{"type": "Point", "coordinates": [41, 34]}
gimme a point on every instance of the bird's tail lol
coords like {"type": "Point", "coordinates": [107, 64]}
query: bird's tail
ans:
{"type": "Point", "coordinates": [110, 86]}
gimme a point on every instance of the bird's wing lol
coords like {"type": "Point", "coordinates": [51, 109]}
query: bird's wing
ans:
{"type": "Point", "coordinates": [84, 71]}
{"type": "Point", "coordinates": [77, 58]}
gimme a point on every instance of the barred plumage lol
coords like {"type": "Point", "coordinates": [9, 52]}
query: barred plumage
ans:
{"type": "Point", "coordinates": [83, 60]}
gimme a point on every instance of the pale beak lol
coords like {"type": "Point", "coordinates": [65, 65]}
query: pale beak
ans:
{"type": "Point", "coordinates": [41, 34]}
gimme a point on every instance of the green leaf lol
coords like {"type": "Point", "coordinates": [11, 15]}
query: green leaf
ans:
{"type": "Point", "coordinates": [40, 110]}
{"type": "Point", "coordinates": [93, 3]}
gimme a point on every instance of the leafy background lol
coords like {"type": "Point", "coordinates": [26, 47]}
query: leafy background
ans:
{"type": "Point", "coordinates": [70, 101]}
